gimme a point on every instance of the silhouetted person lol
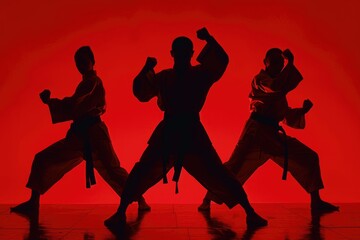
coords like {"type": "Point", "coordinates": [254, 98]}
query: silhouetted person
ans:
{"type": "Point", "coordinates": [263, 138]}
{"type": "Point", "coordinates": [87, 138]}
{"type": "Point", "coordinates": [180, 140]}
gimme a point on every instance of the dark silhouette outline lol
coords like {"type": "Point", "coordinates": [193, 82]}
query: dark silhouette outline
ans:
{"type": "Point", "coordinates": [131, 229]}
{"type": "Point", "coordinates": [221, 231]}
{"type": "Point", "coordinates": [87, 138]}
{"type": "Point", "coordinates": [263, 137]}
{"type": "Point", "coordinates": [180, 139]}
{"type": "Point", "coordinates": [218, 229]}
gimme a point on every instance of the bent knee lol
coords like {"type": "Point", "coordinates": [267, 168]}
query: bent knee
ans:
{"type": "Point", "coordinates": [39, 159]}
{"type": "Point", "coordinates": [314, 157]}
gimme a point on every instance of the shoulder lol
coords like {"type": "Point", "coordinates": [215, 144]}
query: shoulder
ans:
{"type": "Point", "coordinates": [93, 79]}
{"type": "Point", "coordinates": [262, 75]}
{"type": "Point", "coordinates": [90, 81]}
{"type": "Point", "coordinates": [165, 73]}
{"type": "Point", "coordinates": [197, 67]}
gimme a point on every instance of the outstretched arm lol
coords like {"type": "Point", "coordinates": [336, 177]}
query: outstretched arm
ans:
{"type": "Point", "coordinates": [144, 85]}
{"type": "Point", "coordinates": [69, 108]}
{"type": "Point", "coordinates": [213, 57]}
{"type": "Point", "coordinates": [295, 117]}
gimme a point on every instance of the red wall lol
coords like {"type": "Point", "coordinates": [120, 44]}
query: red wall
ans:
{"type": "Point", "coordinates": [38, 40]}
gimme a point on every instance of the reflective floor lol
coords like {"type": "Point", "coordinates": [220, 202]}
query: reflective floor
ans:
{"type": "Point", "coordinates": [175, 222]}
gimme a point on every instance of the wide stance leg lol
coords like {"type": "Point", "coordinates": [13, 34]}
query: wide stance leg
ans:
{"type": "Point", "coordinates": [145, 174]}
{"type": "Point", "coordinates": [304, 166]}
{"type": "Point", "coordinates": [108, 166]}
{"type": "Point", "coordinates": [244, 161]}
{"type": "Point", "coordinates": [207, 168]}
{"type": "Point", "coordinates": [48, 167]}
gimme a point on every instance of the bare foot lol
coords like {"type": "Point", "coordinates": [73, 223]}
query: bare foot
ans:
{"type": "Point", "coordinates": [254, 220]}
{"type": "Point", "coordinates": [323, 207]}
{"type": "Point", "coordinates": [143, 206]}
{"type": "Point", "coordinates": [115, 221]}
{"type": "Point", "coordinates": [205, 206]}
{"type": "Point", "coordinates": [28, 207]}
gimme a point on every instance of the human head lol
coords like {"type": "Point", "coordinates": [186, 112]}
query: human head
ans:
{"type": "Point", "coordinates": [182, 50]}
{"type": "Point", "coordinates": [274, 61]}
{"type": "Point", "coordinates": [84, 59]}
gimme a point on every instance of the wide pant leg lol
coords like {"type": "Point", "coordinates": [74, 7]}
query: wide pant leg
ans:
{"type": "Point", "coordinates": [52, 163]}
{"type": "Point", "coordinates": [146, 173]}
{"type": "Point", "coordinates": [106, 161]}
{"type": "Point", "coordinates": [206, 167]}
{"type": "Point", "coordinates": [303, 165]}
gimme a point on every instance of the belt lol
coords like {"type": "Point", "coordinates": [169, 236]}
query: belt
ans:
{"type": "Point", "coordinates": [80, 128]}
{"type": "Point", "coordinates": [272, 122]}
{"type": "Point", "coordinates": [173, 121]}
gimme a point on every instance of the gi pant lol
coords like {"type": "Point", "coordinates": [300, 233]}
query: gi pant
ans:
{"type": "Point", "coordinates": [260, 142]}
{"type": "Point", "coordinates": [200, 160]}
{"type": "Point", "coordinates": [51, 164]}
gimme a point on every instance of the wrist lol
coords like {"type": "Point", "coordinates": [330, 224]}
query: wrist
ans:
{"type": "Point", "coordinates": [47, 101]}
{"type": "Point", "coordinates": [304, 110]}
{"type": "Point", "coordinates": [147, 68]}
{"type": "Point", "coordinates": [209, 39]}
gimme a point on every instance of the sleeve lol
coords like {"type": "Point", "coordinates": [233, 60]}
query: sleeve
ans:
{"type": "Point", "coordinates": [69, 108]}
{"type": "Point", "coordinates": [288, 79]}
{"type": "Point", "coordinates": [295, 118]}
{"type": "Point", "coordinates": [145, 85]}
{"type": "Point", "coordinates": [261, 88]}
{"type": "Point", "coordinates": [213, 60]}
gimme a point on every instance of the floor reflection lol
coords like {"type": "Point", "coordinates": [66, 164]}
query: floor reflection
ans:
{"type": "Point", "coordinates": [315, 229]}
{"type": "Point", "coordinates": [36, 230]}
{"type": "Point", "coordinates": [131, 228]}
{"type": "Point", "coordinates": [180, 222]}
{"type": "Point", "coordinates": [217, 229]}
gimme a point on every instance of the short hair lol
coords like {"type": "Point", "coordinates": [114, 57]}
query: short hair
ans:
{"type": "Point", "coordinates": [181, 44]}
{"type": "Point", "coordinates": [84, 51]}
{"type": "Point", "coordinates": [273, 51]}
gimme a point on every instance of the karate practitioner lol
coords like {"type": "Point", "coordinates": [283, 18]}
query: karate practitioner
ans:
{"type": "Point", "coordinates": [263, 138]}
{"type": "Point", "coordinates": [180, 140]}
{"type": "Point", "coordinates": [87, 139]}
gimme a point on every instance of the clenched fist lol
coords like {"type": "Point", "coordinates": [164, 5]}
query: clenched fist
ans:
{"type": "Point", "coordinates": [307, 105]}
{"type": "Point", "coordinates": [150, 63]}
{"type": "Point", "coordinates": [45, 96]}
{"type": "Point", "coordinates": [289, 56]}
{"type": "Point", "coordinates": [203, 34]}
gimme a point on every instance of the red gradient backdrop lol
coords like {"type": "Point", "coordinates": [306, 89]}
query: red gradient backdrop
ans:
{"type": "Point", "coordinates": [38, 40]}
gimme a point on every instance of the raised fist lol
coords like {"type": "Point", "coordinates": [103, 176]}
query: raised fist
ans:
{"type": "Point", "coordinates": [150, 63]}
{"type": "Point", "coordinates": [203, 34]}
{"type": "Point", "coordinates": [289, 56]}
{"type": "Point", "coordinates": [45, 96]}
{"type": "Point", "coordinates": [307, 105]}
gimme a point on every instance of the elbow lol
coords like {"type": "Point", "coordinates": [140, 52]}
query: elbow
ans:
{"type": "Point", "coordinates": [226, 59]}
{"type": "Point", "coordinates": [143, 99]}
{"type": "Point", "coordinates": [223, 58]}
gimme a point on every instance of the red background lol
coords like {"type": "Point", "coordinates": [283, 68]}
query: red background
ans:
{"type": "Point", "coordinates": [38, 40]}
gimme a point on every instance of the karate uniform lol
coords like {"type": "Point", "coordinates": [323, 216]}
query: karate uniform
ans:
{"type": "Point", "coordinates": [180, 139]}
{"type": "Point", "coordinates": [86, 104]}
{"type": "Point", "coordinates": [261, 139]}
